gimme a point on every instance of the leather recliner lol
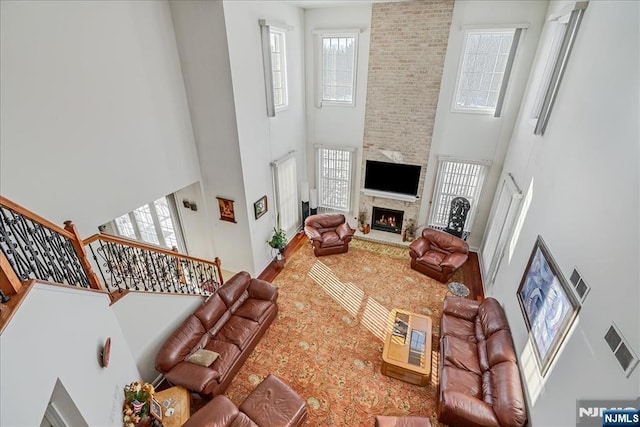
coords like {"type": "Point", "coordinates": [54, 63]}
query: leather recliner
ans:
{"type": "Point", "coordinates": [438, 254]}
{"type": "Point", "coordinates": [328, 233]}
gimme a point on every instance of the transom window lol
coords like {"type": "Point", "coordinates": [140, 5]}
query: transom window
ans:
{"type": "Point", "coordinates": [334, 178]}
{"type": "Point", "coordinates": [456, 178]}
{"type": "Point", "coordinates": [154, 223]}
{"type": "Point", "coordinates": [485, 68]}
{"type": "Point", "coordinates": [279, 67]}
{"type": "Point", "coordinates": [338, 72]}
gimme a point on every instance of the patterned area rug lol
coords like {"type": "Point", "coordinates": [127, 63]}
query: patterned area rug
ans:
{"type": "Point", "coordinates": [327, 340]}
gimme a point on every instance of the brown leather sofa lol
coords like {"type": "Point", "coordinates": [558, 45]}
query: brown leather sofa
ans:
{"type": "Point", "coordinates": [230, 323]}
{"type": "Point", "coordinates": [271, 404]}
{"type": "Point", "coordinates": [479, 376]}
{"type": "Point", "coordinates": [438, 254]}
{"type": "Point", "coordinates": [328, 233]}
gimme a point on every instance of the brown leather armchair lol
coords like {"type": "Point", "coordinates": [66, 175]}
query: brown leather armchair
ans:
{"type": "Point", "coordinates": [328, 233]}
{"type": "Point", "coordinates": [438, 254]}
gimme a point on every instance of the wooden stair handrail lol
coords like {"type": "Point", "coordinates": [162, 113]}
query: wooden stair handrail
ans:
{"type": "Point", "coordinates": [152, 248]}
{"type": "Point", "coordinates": [35, 217]}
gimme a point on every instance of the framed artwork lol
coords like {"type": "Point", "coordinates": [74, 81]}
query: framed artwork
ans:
{"type": "Point", "coordinates": [226, 209]}
{"type": "Point", "coordinates": [548, 304]}
{"type": "Point", "coordinates": [260, 207]}
{"type": "Point", "coordinates": [155, 409]}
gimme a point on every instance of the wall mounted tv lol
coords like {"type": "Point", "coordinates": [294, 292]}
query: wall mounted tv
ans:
{"type": "Point", "coordinates": [392, 177]}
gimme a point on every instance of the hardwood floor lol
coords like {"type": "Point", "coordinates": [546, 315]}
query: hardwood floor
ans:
{"type": "Point", "coordinates": [471, 268]}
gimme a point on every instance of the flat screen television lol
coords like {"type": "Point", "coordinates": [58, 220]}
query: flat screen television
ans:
{"type": "Point", "coordinates": [392, 177]}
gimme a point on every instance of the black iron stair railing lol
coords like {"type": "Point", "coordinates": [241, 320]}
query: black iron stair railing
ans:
{"type": "Point", "coordinates": [130, 265]}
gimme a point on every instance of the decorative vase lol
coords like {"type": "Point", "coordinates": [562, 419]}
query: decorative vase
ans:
{"type": "Point", "coordinates": [366, 229]}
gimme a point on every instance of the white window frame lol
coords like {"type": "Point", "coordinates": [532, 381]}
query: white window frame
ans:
{"type": "Point", "coordinates": [265, 34]}
{"type": "Point", "coordinates": [322, 190]}
{"type": "Point", "coordinates": [551, 82]}
{"type": "Point", "coordinates": [285, 179]}
{"type": "Point", "coordinates": [319, 69]}
{"type": "Point", "coordinates": [177, 227]}
{"type": "Point", "coordinates": [282, 34]}
{"type": "Point", "coordinates": [499, 227]}
{"type": "Point", "coordinates": [439, 191]}
{"type": "Point", "coordinates": [506, 73]}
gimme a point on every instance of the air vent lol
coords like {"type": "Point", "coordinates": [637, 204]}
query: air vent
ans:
{"type": "Point", "coordinates": [624, 354]}
{"type": "Point", "coordinates": [579, 285]}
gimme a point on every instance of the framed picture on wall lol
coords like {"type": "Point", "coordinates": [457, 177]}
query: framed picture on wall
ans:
{"type": "Point", "coordinates": [226, 209]}
{"type": "Point", "coordinates": [260, 207]}
{"type": "Point", "coordinates": [548, 305]}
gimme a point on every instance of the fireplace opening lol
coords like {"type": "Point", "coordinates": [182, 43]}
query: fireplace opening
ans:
{"type": "Point", "coordinates": [387, 220]}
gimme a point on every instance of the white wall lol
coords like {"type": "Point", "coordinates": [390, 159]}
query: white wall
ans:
{"type": "Point", "coordinates": [58, 332]}
{"type": "Point", "coordinates": [337, 126]}
{"type": "Point", "coordinates": [263, 139]}
{"type": "Point", "coordinates": [204, 56]}
{"type": "Point", "coordinates": [148, 319]}
{"type": "Point", "coordinates": [583, 182]}
{"type": "Point", "coordinates": [480, 136]}
{"type": "Point", "coordinates": [195, 224]}
{"type": "Point", "coordinates": [92, 104]}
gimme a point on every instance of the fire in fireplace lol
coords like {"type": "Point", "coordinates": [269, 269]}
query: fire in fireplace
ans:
{"type": "Point", "coordinates": [387, 220]}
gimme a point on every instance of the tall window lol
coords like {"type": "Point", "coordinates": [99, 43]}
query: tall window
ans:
{"type": "Point", "coordinates": [334, 178]}
{"type": "Point", "coordinates": [279, 67]}
{"type": "Point", "coordinates": [338, 53]}
{"type": "Point", "coordinates": [456, 178]}
{"type": "Point", "coordinates": [154, 223]}
{"type": "Point", "coordinates": [286, 183]}
{"type": "Point", "coordinates": [484, 71]}
{"type": "Point", "coordinates": [566, 32]}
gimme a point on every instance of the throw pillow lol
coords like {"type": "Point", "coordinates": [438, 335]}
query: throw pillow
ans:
{"type": "Point", "coordinates": [202, 357]}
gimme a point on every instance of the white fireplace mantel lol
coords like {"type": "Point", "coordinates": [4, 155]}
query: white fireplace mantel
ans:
{"type": "Point", "coordinates": [393, 196]}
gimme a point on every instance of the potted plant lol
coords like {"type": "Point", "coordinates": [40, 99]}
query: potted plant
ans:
{"type": "Point", "coordinates": [278, 240]}
{"type": "Point", "coordinates": [410, 231]}
{"type": "Point", "coordinates": [362, 217]}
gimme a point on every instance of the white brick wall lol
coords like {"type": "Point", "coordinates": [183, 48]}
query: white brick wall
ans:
{"type": "Point", "coordinates": [406, 59]}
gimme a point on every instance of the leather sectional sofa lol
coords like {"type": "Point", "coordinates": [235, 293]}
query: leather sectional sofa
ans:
{"type": "Point", "coordinates": [229, 323]}
{"type": "Point", "coordinates": [479, 376]}
{"type": "Point", "coordinates": [438, 254]}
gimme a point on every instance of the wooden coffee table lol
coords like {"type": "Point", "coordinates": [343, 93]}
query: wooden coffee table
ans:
{"type": "Point", "coordinates": [179, 399]}
{"type": "Point", "coordinates": [406, 354]}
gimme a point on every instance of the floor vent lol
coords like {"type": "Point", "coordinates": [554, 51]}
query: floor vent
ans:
{"type": "Point", "coordinates": [580, 286]}
{"type": "Point", "coordinates": [624, 354]}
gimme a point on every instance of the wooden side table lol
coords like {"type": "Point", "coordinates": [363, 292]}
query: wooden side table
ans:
{"type": "Point", "coordinates": [177, 398]}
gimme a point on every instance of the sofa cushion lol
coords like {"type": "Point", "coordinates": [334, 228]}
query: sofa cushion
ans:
{"type": "Point", "coordinates": [461, 328]}
{"type": "Point", "coordinates": [202, 357]}
{"type": "Point", "coordinates": [228, 354]}
{"type": "Point", "coordinates": [254, 309]}
{"type": "Point", "coordinates": [238, 331]}
{"type": "Point", "coordinates": [234, 287]}
{"type": "Point", "coordinates": [462, 381]}
{"type": "Point", "coordinates": [461, 354]}
{"type": "Point", "coordinates": [500, 348]}
{"type": "Point", "coordinates": [432, 258]}
{"type": "Point", "coordinates": [211, 311]}
{"type": "Point", "coordinates": [492, 317]}
{"type": "Point", "coordinates": [330, 238]}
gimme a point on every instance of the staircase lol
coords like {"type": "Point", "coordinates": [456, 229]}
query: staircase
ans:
{"type": "Point", "coordinates": [34, 249]}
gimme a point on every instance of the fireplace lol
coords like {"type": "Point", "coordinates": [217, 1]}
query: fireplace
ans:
{"type": "Point", "coordinates": [387, 220]}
